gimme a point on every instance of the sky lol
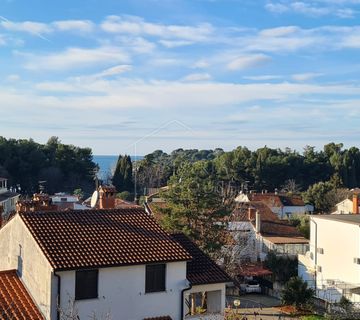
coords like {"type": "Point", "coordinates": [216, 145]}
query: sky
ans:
{"type": "Point", "coordinates": [133, 76]}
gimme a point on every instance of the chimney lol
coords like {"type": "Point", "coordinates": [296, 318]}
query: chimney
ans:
{"type": "Point", "coordinates": [251, 213]}
{"type": "Point", "coordinates": [355, 204]}
{"type": "Point", "coordinates": [258, 222]}
{"type": "Point", "coordinates": [107, 197]}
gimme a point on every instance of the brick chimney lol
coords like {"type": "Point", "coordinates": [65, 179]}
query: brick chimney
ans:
{"type": "Point", "coordinates": [355, 204]}
{"type": "Point", "coordinates": [107, 197]}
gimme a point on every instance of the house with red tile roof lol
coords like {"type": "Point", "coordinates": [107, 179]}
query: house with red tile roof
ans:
{"type": "Point", "coordinates": [116, 262]}
{"type": "Point", "coordinates": [283, 205]}
{"type": "Point", "coordinates": [259, 231]}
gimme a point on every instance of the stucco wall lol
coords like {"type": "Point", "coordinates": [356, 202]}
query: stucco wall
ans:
{"type": "Point", "coordinates": [341, 245]}
{"type": "Point", "coordinates": [216, 297]}
{"type": "Point", "coordinates": [345, 206]}
{"type": "Point", "coordinates": [18, 250]}
{"type": "Point", "coordinates": [122, 293]}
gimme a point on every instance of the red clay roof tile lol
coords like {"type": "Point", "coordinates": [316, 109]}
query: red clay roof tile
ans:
{"type": "Point", "coordinates": [101, 238]}
{"type": "Point", "coordinates": [15, 301]}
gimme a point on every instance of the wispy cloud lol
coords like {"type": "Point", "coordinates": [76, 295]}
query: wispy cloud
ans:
{"type": "Point", "coordinates": [316, 8]}
{"type": "Point", "coordinates": [138, 26]}
{"type": "Point", "coordinates": [305, 76]}
{"type": "Point", "coordinates": [197, 77]}
{"type": "Point", "coordinates": [75, 58]}
{"type": "Point", "coordinates": [250, 61]}
{"type": "Point", "coordinates": [74, 25]}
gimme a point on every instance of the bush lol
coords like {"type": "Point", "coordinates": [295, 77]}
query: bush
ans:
{"type": "Point", "coordinates": [297, 293]}
{"type": "Point", "coordinates": [125, 195]}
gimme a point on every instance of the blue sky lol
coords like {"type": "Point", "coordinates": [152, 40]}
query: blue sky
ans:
{"type": "Point", "coordinates": [135, 76]}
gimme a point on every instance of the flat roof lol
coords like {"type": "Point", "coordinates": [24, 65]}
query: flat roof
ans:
{"type": "Point", "coordinates": [346, 218]}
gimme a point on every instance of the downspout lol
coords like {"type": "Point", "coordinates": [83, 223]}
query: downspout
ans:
{"type": "Point", "coordinates": [58, 296]}
{"type": "Point", "coordinates": [182, 300]}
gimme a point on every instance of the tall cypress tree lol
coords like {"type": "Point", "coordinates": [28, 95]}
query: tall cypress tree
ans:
{"type": "Point", "coordinates": [122, 178]}
{"type": "Point", "coordinates": [118, 177]}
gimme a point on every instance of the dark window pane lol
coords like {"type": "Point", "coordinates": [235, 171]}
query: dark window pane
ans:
{"type": "Point", "coordinates": [155, 278]}
{"type": "Point", "coordinates": [86, 284]}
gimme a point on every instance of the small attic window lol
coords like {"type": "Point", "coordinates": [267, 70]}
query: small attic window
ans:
{"type": "Point", "coordinates": [86, 284]}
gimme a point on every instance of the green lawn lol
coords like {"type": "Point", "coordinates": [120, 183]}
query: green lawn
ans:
{"type": "Point", "coordinates": [312, 318]}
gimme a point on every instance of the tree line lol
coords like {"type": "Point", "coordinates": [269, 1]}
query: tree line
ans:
{"type": "Point", "coordinates": [59, 167]}
{"type": "Point", "coordinates": [318, 174]}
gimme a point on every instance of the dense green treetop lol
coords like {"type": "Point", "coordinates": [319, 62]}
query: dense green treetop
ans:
{"type": "Point", "coordinates": [63, 167]}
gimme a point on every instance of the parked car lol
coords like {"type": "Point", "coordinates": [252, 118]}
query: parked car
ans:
{"type": "Point", "coordinates": [252, 286]}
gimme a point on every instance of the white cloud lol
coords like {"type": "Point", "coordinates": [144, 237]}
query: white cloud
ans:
{"type": "Point", "coordinates": [316, 8]}
{"type": "Point", "coordinates": [197, 77]}
{"type": "Point", "coordinates": [175, 43]}
{"type": "Point", "coordinates": [74, 25]}
{"type": "Point", "coordinates": [352, 41]}
{"type": "Point", "coordinates": [13, 78]}
{"type": "Point", "coordinates": [276, 7]}
{"type": "Point", "coordinates": [279, 31]}
{"type": "Point", "coordinates": [201, 64]}
{"type": "Point", "coordinates": [263, 77]}
{"type": "Point", "coordinates": [138, 26]}
{"type": "Point", "coordinates": [305, 76]}
{"type": "Point", "coordinates": [250, 61]}
{"type": "Point", "coordinates": [126, 93]}
{"type": "Point", "coordinates": [31, 27]}
{"type": "Point", "coordinates": [113, 71]}
{"type": "Point", "coordinates": [76, 58]}
{"type": "Point", "coordinates": [136, 44]}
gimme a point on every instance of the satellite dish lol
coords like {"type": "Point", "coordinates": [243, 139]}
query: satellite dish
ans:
{"type": "Point", "coordinates": [94, 199]}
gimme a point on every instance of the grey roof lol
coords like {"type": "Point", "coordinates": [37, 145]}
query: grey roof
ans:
{"type": "Point", "coordinates": [346, 218]}
{"type": "Point", "coordinates": [7, 195]}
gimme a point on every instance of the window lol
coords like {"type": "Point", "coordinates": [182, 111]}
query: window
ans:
{"type": "Point", "coordinates": [86, 284]}
{"type": "Point", "coordinates": [357, 260]}
{"type": "Point", "coordinates": [320, 250]}
{"type": "Point", "coordinates": [155, 278]}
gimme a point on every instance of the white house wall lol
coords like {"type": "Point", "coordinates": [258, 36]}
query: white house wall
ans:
{"type": "Point", "coordinates": [216, 297]}
{"type": "Point", "coordinates": [9, 204]}
{"type": "Point", "coordinates": [345, 206]}
{"type": "Point", "coordinates": [341, 244]}
{"type": "Point", "coordinates": [122, 293]}
{"type": "Point", "coordinates": [18, 250]}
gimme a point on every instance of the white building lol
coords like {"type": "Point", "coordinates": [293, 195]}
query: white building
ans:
{"type": "Point", "coordinates": [332, 265]}
{"type": "Point", "coordinates": [8, 198]}
{"type": "Point", "coordinates": [257, 231]}
{"type": "Point", "coordinates": [67, 201]}
{"type": "Point", "coordinates": [349, 205]}
{"type": "Point", "coordinates": [106, 262]}
{"type": "Point", "coordinates": [284, 206]}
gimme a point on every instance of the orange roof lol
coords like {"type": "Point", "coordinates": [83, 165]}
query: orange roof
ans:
{"type": "Point", "coordinates": [253, 270]}
{"type": "Point", "coordinates": [271, 225]}
{"type": "Point", "coordinates": [287, 240]}
{"type": "Point", "coordinates": [277, 200]}
{"type": "Point", "coordinates": [15, 301]}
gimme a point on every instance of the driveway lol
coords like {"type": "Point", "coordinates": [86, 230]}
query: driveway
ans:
{"type": "Point", "coordinates": [253, 301]}
{"type": "Point", "coordinates": [256, 307]}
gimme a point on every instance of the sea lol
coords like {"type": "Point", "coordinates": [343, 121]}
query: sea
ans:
{"type": "Point", "coordinates": [107, 164]}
